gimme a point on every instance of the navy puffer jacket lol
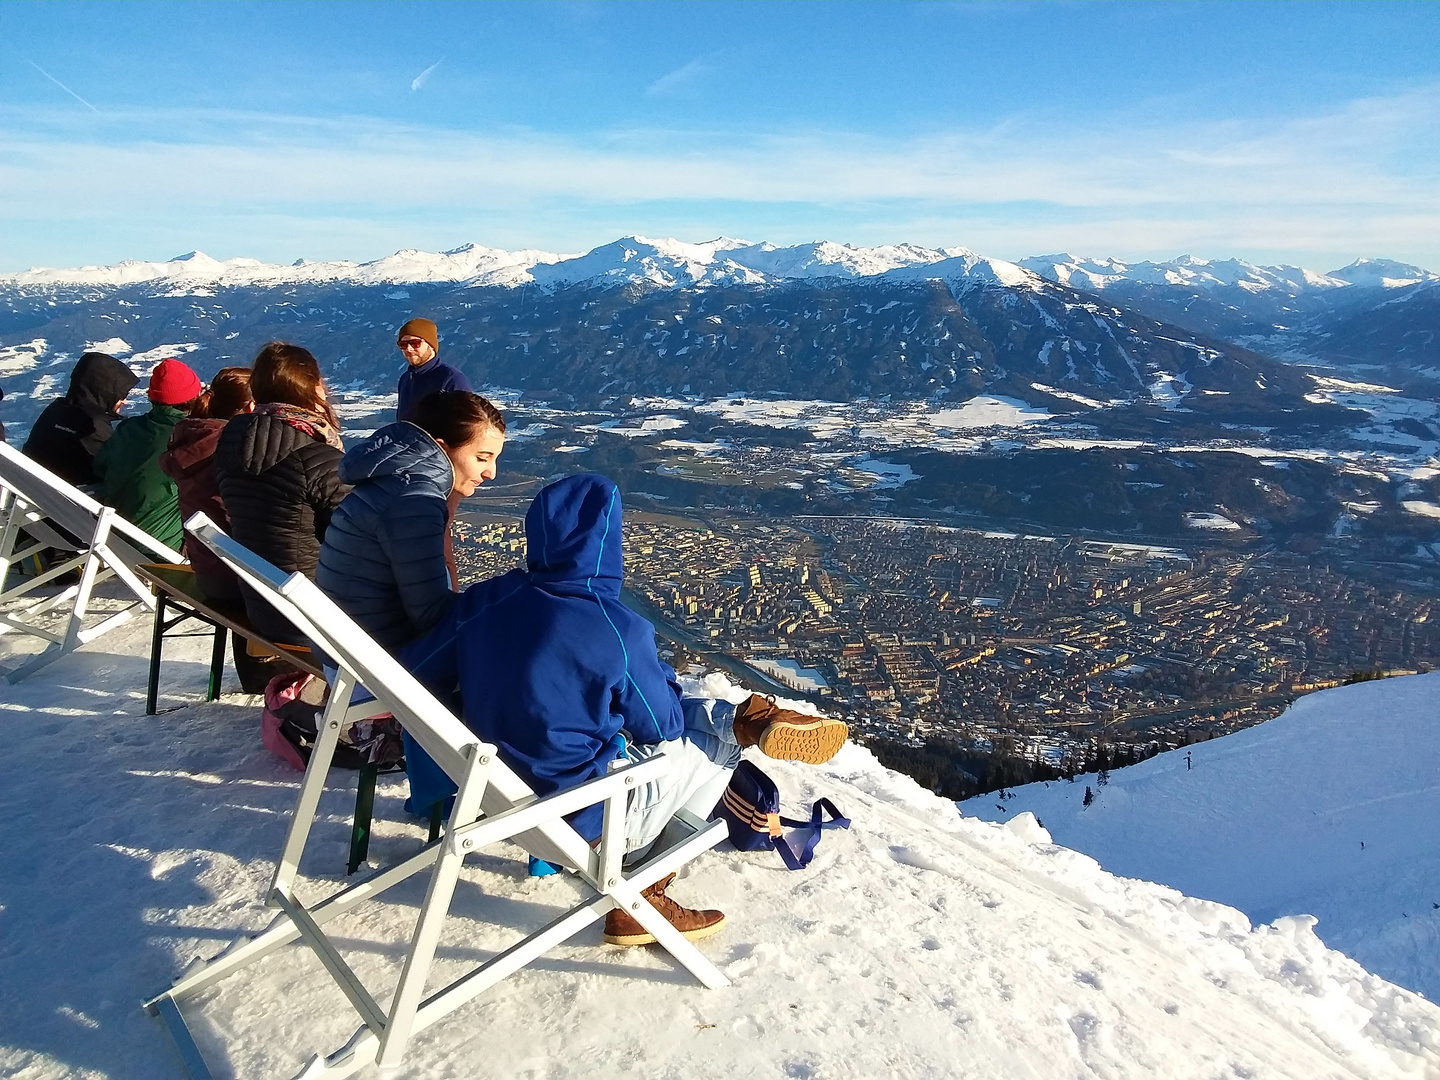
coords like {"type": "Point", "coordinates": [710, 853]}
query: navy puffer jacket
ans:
{"type": "Point", "coordinates": [383, 560]}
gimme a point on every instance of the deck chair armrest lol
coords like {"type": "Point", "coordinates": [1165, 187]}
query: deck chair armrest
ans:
{"type": "Point", "coordinates": [502, 826]}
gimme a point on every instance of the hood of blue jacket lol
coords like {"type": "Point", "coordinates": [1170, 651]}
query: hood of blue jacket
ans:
{"type": "Point", "coordinates": [402, 450]}
{"type": "Point", "coordinates": [572, 535]}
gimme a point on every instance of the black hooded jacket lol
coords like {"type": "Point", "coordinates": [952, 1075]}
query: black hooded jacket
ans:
{"type": "Point", "coordinates": [280, 486]}
{"type": "Point", "coordinates": [70, 430]}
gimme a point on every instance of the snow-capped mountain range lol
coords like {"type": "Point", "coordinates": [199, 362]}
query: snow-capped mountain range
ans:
{"type": "Point", "coordinates": [669, 263]}
{"type": "Point", "coordinates": [664, 263]}
{"type": "Point", "coordinates": [1095, 275]}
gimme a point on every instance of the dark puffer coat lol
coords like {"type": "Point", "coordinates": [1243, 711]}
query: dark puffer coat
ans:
{"type": "Point", "coordinates": [280, 486]}
{"type": "Point", "coordinates": [128, 466]}
{"type": "Point", "coordinates": [383, 560]}
{"type": "Point", "coordinates": [190, 462]}
{"type": "Point", "coordinates": [72, 428]}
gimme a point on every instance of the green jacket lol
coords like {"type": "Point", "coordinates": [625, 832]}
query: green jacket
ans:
{"type": "Point", "coordinates": [130, 477]}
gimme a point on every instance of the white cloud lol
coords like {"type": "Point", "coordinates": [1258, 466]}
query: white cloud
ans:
{"type": "Point", "coordinates": [419, 80]}
{"type": "Point", "coordinates": [682, 78]}
{"type": "Point", "coordinates": [1361, 179]}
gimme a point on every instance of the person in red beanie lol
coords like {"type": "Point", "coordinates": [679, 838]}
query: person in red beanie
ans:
{"type": "Point", "coordinates": [128, 465]}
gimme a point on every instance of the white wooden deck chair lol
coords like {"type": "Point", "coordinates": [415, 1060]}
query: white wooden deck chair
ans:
{"type": "Point", "coordinates": [58, 516]}
{"type": "Point", "coordinates": [492, 804]}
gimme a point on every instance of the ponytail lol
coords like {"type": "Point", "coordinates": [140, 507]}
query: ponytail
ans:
{"type": "Point", "coordinates": [228, 394]}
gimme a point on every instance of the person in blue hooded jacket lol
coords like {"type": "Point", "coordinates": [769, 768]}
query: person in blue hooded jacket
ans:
{"type": "Point", "coordinates": [563, 678]}
{"type": "Point", "coordinates": [383, 559]}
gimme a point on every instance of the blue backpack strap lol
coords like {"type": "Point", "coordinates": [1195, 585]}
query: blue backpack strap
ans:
{"type": "Point", "coordinates": [817, 825]}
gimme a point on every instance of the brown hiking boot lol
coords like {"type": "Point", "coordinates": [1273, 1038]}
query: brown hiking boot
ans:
{"type": "Point", "coordinates": [622, 928]}
{"type": "Point", "coordinates": [787, 735]}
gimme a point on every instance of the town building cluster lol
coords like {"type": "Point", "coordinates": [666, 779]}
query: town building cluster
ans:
{"type": "Point", "coordinates": [917, 632]}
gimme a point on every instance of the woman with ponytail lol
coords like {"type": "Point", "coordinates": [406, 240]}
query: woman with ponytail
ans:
{"type": "Point", "coordinates": [190, 462]}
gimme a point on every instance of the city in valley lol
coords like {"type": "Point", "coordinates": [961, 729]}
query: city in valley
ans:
{"type": "Point", "coordinates": [1064, 649]}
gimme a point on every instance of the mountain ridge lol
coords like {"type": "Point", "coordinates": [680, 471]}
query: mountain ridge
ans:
{"type": "Point", "coordinates": [669, 263]}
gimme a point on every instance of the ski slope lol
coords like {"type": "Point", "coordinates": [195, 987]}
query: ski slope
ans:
{"type": "Point", "coordinates": [918, 944]}
{"type": "Point", "coordinates": [1331, 810]}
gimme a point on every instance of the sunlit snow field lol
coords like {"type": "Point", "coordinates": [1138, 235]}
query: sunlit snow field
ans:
{"type": "Point", "coordinates": [918, 944]}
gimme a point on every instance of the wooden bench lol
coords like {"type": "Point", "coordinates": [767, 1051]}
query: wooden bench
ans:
{"type": "Point", "coordinates": [175, 586]}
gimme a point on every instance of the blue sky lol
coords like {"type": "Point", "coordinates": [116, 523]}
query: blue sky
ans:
{"type": "Point", "coordinates": [1294, 132]}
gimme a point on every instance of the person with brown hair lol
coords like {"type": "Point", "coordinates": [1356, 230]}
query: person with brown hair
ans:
{"type": "Point", "coordinates": [190, 462]}
{"type": "Point", "coordinates": [278, 471]}
{"type": "Point", "coordinates": [128, 463]}
{"type": "Point", "coordinates": [384, 558]}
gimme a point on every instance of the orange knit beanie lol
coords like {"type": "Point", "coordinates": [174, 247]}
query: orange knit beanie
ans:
{"type": "Point", "coordinates": [424, 329]}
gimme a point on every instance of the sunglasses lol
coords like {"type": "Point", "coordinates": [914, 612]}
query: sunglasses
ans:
{"type": "Point", "coordinates": [411, 343]}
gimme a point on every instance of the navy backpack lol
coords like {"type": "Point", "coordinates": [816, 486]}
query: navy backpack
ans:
{"type": "Point", "coordinates": [751, 808]}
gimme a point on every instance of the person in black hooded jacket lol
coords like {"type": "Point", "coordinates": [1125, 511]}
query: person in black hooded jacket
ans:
{"type": "Point", "coordinates": [72, 428]}
{"type": "Point", "coordinates": [384, 556]}
{"type": "Point", "coordinates": [278, 471]}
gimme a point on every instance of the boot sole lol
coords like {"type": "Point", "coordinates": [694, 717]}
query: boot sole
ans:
{"type": "Point", "coordinates": [813, 743]}
{"type": "Point", "coordinates": [647, 938]}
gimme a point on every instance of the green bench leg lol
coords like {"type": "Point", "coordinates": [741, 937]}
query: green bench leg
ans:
{"type": "Point", "coordinates": [217, 663]}
{"type": "Point", "coordinates": [157, 641]}
{"type": "Point", "coordinates": [364, 811]}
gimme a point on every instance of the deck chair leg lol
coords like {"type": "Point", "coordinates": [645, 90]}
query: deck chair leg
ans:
{"type": "Point", "coordinates": [9, 513]}
{"type": "Point", "coordinates": [364, 812]}
{"type": "Point", "coordinates": [75, 621]}
{"type": "Point", "coordinates": [157, 642]}
{"type": "Point", "coordinates": [217, 662]}
{"type": "Point", "coordinates": [314, 783]}
{"type": "Point", "coordinates": [87, 578]}
{"type": "Point", "coordinates": [433, 912]}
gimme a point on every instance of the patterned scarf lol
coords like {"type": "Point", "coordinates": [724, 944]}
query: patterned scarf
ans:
{"type": "Point", "coordinates": [313, 424]}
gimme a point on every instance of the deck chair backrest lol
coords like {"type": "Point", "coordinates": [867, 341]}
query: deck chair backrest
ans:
{"type": "Point", "coordinates": [516, 814]}
{"type": "Point", "coordinates": [333, 631]}
{"type": "Point", "coordinates": [40, 512]}
{"type": "Point", "coordinates": [73, 510]}
{"type": "Point", "coordinates": [429, 722]}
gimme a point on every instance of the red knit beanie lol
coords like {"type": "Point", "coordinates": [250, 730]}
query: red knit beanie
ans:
{"type": "Point", "coordinates": [173, 383]}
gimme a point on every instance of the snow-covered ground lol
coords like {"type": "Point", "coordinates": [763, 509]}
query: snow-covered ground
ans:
{"type": "Point", "coordinates": [1331, 809]}
{"type": "Point", "coordinates": [918, 944]}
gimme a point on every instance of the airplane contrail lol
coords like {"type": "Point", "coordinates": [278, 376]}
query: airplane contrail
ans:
{"type": "Point", "coordinates": [419, 80]}
{"type": "Point", "coordinates": [62, 86]}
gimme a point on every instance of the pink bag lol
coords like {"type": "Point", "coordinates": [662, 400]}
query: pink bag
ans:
{"type": "Point", "coordinates": [289, 727]}
{"type": "Point", "coordinates": [279, 692]}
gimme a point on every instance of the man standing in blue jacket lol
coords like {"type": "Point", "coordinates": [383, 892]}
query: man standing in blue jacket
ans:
{"type": "Point", "coordinates": [424, 374]}
{"type": "Point", "coordinates": [419, 343]}
{"type": "Point", "coordinates": [558, 673]}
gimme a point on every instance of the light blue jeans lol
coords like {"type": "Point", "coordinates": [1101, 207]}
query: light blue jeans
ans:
{"type": "Point", "coordinates": [701, 762]}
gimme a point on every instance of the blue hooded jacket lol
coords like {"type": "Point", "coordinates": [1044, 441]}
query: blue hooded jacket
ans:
{"type": "Point", "coordinates": [383, 560]}
{"type": "Point", "coordinates": [549, 663]}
